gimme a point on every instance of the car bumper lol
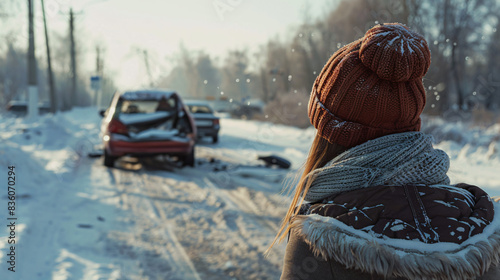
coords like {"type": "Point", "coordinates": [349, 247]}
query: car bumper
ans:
{"type": "Point", "coordinates": [116, 147]}
{"type": "Point", "coordinates": [207, 131]}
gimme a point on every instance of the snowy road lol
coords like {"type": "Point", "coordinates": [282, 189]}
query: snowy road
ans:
{"type": "Point", "coordinates": [181, 225]}
{"type": "Point", "coordinates": [145, 219]}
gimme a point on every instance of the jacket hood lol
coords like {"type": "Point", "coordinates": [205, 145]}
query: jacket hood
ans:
{"type": "Point", "coordinates": [387, 256]}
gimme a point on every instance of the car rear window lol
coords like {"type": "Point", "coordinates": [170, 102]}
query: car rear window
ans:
{"type": "Point", "coordinates": [199, 109]}
{"type": "Point", "coordinates": [146, 106]}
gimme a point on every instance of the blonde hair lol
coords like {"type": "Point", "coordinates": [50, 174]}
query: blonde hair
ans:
{"type": "Point", "coordinates": [321, 152]}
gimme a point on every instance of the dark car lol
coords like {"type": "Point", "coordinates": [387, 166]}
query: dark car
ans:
{"type": "Point", "coordinates": [147, 123]}
{"type": "Point", "coordinates": [207, 124]}
{"type": "Point", "coordinates": [248, 109]}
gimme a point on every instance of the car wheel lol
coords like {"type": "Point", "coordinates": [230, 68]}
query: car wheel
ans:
{"type": "Point", "coordinates": [109, 161]}
{"type": "Point", "coordinates": [215, 139]}
{"type": "Point", "coordinates": [188, 160]}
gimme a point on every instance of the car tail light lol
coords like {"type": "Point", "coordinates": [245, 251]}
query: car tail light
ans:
{"type": "Point", "coordinates": [116, 126]}
{"type": "Point", "coordinates": [216, 122]}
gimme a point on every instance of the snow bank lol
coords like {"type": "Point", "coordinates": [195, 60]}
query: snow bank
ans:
{"type": "Point", "coordinates": [49, 156]}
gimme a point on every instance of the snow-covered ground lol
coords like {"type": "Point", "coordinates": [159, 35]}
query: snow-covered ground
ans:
{"type": "Point", "coordinates": [146, 219]}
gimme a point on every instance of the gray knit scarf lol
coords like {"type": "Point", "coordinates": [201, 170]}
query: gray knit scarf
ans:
{"type": "Point", "coordinates": [396, 159]}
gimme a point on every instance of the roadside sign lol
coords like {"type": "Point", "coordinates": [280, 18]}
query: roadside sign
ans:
{"type": "Point", "coordinates": [95, 83]}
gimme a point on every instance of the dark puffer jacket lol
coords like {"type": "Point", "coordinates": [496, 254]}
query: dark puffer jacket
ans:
{"type": "Point", "coordinates": [403, 232]}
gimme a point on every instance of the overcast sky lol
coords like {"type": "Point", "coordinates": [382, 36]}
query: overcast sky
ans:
{"type": "Point", "coordinates": [123, 27]}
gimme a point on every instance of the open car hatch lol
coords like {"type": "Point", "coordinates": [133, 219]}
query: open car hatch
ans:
{"type": "Point", "coordinates": [153, 120]}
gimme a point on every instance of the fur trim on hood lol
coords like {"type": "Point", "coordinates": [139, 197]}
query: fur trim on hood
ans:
{"type": "Point", "coordinates": [412, 259]}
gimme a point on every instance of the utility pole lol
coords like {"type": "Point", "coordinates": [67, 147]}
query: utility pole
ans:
{"type": "Point", "coordinates": [74, 97]}
{"type": "Point", "coordinates": [98, 72]}
{"type": "Point", "coordinates": [32, 82]}
{"type": "Point", "coordinates": [148, 69]}
{"type": "Point", "coordinates": [53, 100]}
{"type": "Point", "coordinates": [98, 60]}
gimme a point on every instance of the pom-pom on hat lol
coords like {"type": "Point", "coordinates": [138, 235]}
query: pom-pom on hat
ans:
{"type": "Point", "coordinates": [371, 87]}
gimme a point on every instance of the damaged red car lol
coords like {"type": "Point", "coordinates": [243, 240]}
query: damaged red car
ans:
{"type": "Point", "coordinates": [148, 123]}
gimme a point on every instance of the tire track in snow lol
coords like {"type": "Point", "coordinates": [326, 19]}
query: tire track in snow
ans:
{"type": "Point", "coordinates": [224, 196]}
{"type": "Point", "coordinates": [247, 229]}
{"type": "Point", "coordinates": [222, 232]}
{"type": "Point", "coordinates": [185, 267]}
{"type": "Point", "coordinates": [244, 203]}
{"type": "Point", "coordinates": [135, 196]}
{"type": "Point", "coordinates": [232, 201]}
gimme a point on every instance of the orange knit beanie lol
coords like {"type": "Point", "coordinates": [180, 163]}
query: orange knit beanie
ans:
{"type": "Point", "coordinates": [371, 87]}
